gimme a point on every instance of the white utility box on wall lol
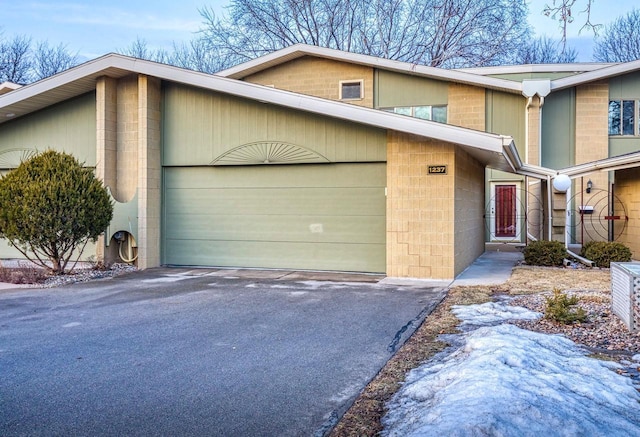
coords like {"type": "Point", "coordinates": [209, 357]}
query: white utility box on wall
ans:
{"type": "Point", "coordinates": [625, 293]}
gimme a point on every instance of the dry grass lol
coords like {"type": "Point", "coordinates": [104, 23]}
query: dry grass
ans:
{"type": "Point", "coordinates": [363, 418]}
{"type": "Point", "coordinates": [526, 279]}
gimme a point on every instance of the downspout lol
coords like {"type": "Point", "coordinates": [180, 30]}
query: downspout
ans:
{"type": "Point", "coordinates": [541, 99]}
{"type": "Point", "coordinates": [550, 208]}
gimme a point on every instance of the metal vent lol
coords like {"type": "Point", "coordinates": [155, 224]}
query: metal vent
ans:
{"type": "Point", "coordinates": [625, 293]}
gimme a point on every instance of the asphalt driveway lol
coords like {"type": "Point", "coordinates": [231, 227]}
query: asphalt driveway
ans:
{"type": "Point", "coordinates": [197, 352]}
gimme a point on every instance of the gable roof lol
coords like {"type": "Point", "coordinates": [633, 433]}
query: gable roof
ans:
{"type": "Point", "coordinates": [299, 50]}
{"type": "Point", "coordinates": [487, 148]}
{"type": "Point", "coordinates": [585, 72]}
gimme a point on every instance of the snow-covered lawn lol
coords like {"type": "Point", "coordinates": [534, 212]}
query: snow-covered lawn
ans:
{"type": "Point", "coordinates": [500, 380]}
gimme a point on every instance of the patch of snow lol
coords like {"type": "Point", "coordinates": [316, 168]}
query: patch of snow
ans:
{"type": "Point", "coordinates": [508, 381]}
{"type": "Point", "coordinates": [491, 313]}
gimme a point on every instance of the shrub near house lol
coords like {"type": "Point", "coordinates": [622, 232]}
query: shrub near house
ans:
{"type": "Point", "coordinates": [50, 206]}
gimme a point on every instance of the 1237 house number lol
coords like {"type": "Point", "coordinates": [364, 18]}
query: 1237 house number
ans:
{"type": "Point", "coordinates": [437, 169]}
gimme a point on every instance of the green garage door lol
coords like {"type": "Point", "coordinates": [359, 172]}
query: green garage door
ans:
{"type": "Point", "coordinates": [318, 217]}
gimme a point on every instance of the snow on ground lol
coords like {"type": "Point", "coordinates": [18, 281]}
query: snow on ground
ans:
{"type": "Point", "coordinates": [506, 381]}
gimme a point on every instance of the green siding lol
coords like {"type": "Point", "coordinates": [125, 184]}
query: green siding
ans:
{"type": "Point", "coordinates": [505, 115]}
{"type": "Point", "coordinates": [622, 145]}
{"type": "Point", "coordinates": [558, 129]}
{"type": "Point", "coordinates": [625, 87]}
{"type": "Point", "coordinates": [319, 217]}
{"type": "Point", "coordinates": [395, 89]}
{"type": "Point", "coordinates": [199, 126]}
{"type": "Point", "coordinates": [69, 126]}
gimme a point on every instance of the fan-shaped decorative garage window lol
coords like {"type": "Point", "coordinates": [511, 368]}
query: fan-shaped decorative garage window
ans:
{"type": "Point", "coordinates": [269, 152]}
{"type": "Point", "coordinates": [12, 158]}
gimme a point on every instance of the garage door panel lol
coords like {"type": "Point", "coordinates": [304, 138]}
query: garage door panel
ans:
{"type": "Point", "coordinates": [277, 176]}
{"type": "Point", "coordinates": [282, 201]}
{"type": "Point", "coordinates": [322, 217]}
{"type": "Point", "coordinates": [277, 228]}
{"type": "Point", "coordinates": [329, 256]}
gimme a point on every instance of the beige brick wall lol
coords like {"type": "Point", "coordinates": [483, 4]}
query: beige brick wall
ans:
{"type": "Point", "coordinates": [532, 153]}
{"type": "Point", "coordinates": [628, 191]}
{"type": "Point", "coordinates": [592, 143]}
{"type": "Point", "coordinates": [469, 210]}
{"type": "Point", "coordinates": [106, 144]}
{"type": "Point", "coordinates": [317, 77]}
{"type": "Point", "coordinates": [420, 208]}
{"type": "Point", "coordinates": [466, 107]}
{"type": "Point", "coordinates": [127, 139]}
{"type": "Point", "coordinates": [149, 171]}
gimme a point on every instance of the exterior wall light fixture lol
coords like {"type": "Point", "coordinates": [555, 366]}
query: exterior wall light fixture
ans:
{"type": "Point", "coordinates": [589, 186]}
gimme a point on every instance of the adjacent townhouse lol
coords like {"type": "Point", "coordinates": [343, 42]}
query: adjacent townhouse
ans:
{"type": "Point", "coordinates": [311, 158]}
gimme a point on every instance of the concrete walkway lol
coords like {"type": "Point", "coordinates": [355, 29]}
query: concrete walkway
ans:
{"type": "Point", "coordinates": [490, 268]}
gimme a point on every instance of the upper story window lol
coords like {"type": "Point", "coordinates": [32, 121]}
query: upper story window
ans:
{"type": "Point", "coordinates": [435, 113]}
{"type": "Point", "coordinates": [351, 89]}
{"type": "Point", "coordinates": [623, 116]}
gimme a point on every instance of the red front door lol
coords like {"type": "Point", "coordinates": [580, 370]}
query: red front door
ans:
{"type": "Point", "coordinates": [506, 223]}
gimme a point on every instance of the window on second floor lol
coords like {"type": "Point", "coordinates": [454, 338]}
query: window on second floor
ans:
{"type": "Point", "coordinates": [435, 113]}
{"type": "Point", "coordinates": [623, 117]}
{"type": "Point", "coordinates": [351, 89]}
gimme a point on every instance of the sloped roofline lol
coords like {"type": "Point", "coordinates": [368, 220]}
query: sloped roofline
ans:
{"type": "Point", "coordinates": [586, 72]}
{"type": "Point", "coordinates": [299, 50]}
{"type": "Point", "coordinates": [578, 67]}
{"type": "Point", "coordinates": [487, 148]}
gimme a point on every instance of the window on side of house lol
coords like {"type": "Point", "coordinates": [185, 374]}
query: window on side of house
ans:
{"type": "Point", "coordinates": [435, 113]}
{"type": "Point", "coordinates": [623, 116]}
{"type": "Point", "coordinates": [351, 89]}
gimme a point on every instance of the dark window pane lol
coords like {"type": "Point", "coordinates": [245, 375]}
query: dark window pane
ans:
{"type": "Point", "coordinates": [628, 116]}
{"type": "Point", "coordinates": [439, 113]}
{"type": "Point", "coordinates": [614, 117]}
{"type": "Point", "coordinates": [351, 90]}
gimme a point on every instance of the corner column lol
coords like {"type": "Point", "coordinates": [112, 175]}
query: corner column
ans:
{"type": "Point", "coordinates": [149, 172]}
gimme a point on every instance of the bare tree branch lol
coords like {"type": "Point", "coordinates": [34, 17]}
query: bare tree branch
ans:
{"type": "Point", "coordinates": [620, 41]}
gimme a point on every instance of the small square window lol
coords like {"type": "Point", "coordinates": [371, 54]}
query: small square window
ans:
{"type": "Point", "coordinates": [351, 90]}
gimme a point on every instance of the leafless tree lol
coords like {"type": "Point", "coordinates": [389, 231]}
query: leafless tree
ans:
{"type": "Point", "coordinates": [15, 60]}
{"type": "Point", "coordinates": [564, 11]}
{"type": "Point", "coordinates": [545, 50]}
{"type": "Point", "coordinates": [49, 60]}
{"type": "Point", "coordinates": [21, 62]}
{"type": "Point", "coordinates": [620, 41]}
{"type": "Point", "coordinates": [445, 33]}
{"type": "Point", "coordinates": [140, 49]}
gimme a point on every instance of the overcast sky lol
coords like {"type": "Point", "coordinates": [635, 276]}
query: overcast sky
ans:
{"type": "Point", "coordinates": [93, 28]}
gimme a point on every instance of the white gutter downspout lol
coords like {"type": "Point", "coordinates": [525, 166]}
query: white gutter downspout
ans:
{"type": "Point", "coordinates": [550, 206]}
{"type": "Point", "coordinates": [540, 105]}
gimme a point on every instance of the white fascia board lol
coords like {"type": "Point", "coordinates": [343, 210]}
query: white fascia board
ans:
{"type": "Point", "coordinates": [511, 153]}
{"type": "Point", "coordinates": [537, 68]}
{"type": "Point", "coordinates": [373, 117]}
{"type": "Point", "coordinates": [60, 79]}
{"type": "Point", "coordinates": [630, 160]}
{"type": "Point", "coordinates": [300, 50]}
{"type": "Point", "coordinates": [591, 76]}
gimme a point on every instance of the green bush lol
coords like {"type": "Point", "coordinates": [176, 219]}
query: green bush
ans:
{"type": "Point", "coordinates": [603, 253]}
{"type": "Point", "coordinates": [50, 206]}
{"type": "Point", "coordinates": [545, 253]}
{"type": "Point", "coordinates": [560, 308]}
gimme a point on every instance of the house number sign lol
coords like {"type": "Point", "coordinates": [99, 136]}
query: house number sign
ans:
{"type": "Point", "coordinates": [437, 169]}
